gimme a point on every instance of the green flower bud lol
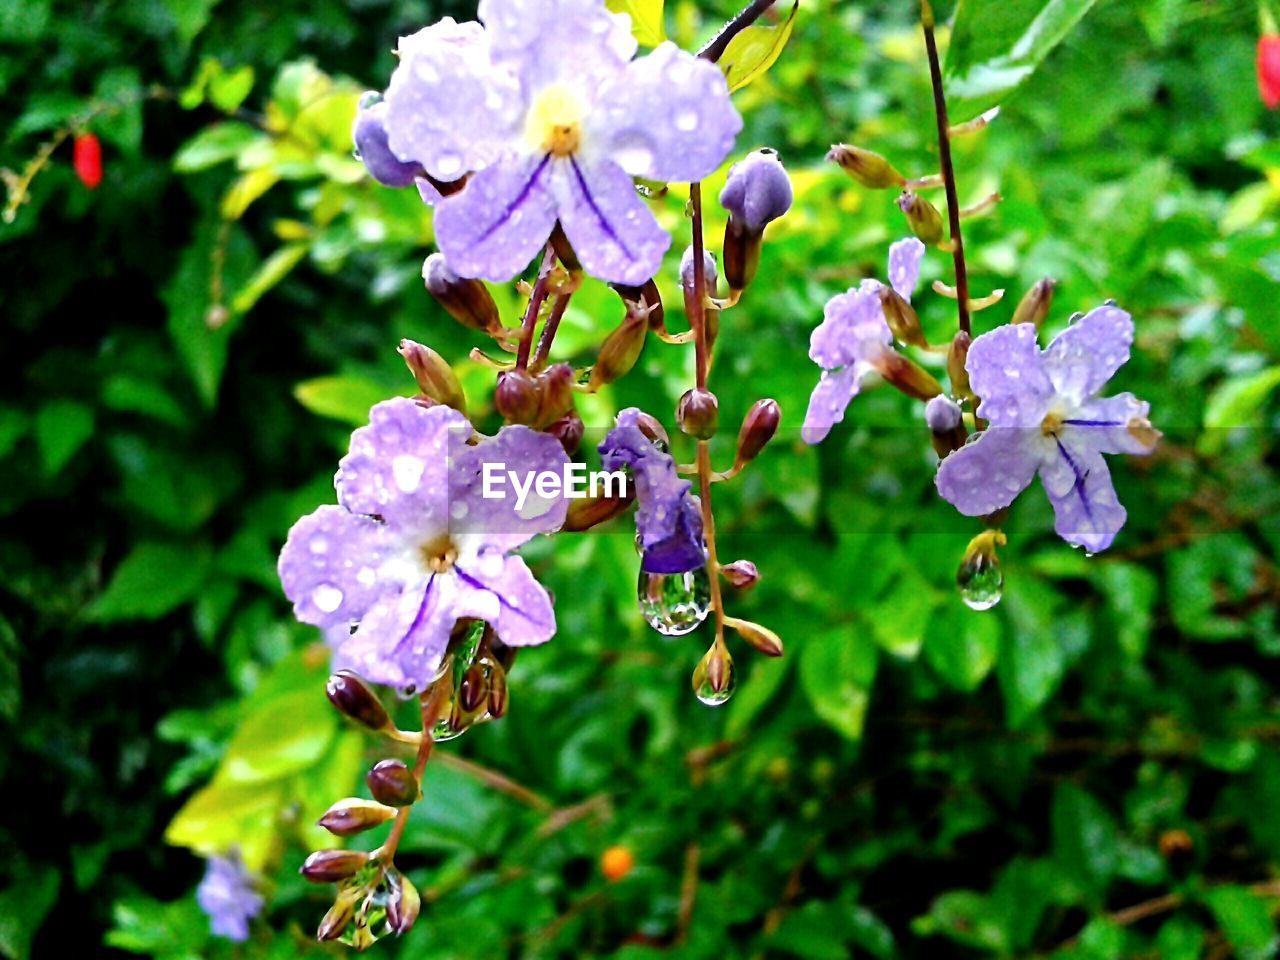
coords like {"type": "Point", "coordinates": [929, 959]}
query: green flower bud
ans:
{"type": "Point", "coordinates": [902, 318]}
{"type": "Point", "coordinates": [1034, 306]}
{"type": "Point", "coordinates": [403, 902]}
{"type": "Point", "coordinates": [435, 378]}
{"type": "Point", "coordinates": [620, 350]}
{"type": "Point", "coordinates": [907, 375]}
{"type": "Point", "coordinates": [957, 356]}
{"type": "Point", "coordinates": [869, 169]}
{"type": "Point", "coordinates": [762, 638]}
{"type": "Point", "coordinates": [922, 216]}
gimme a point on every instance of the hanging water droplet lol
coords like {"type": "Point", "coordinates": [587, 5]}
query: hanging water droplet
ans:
{"type": "Point", "coordinates": [713, 679]}
{"type": "Point", "coordinates": [368, 923]}
{"type": "Point", "coordinates": [369, 99]}
{"type": "Point", "coordinates": [674, 603]}
{"type": "Point", "coordinates": [981, 583]}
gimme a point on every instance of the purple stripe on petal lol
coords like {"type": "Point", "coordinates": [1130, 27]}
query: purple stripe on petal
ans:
{"type": "Point", "coordinates": [1094, 423]}
{"type": "Point", "coordinates": [1081, 477]}
{"type": "Point", "coordinates": [595, 209]}
{"type": "Point", "coordinates": [518, 202]}
{"type": "Point", "coordinates": [420, 617]}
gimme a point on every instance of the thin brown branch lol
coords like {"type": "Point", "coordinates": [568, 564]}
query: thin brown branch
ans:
{"type": "Point", "coordinates": [536, 299]}
{"type": "Point", "coordinates": [714, 48]}
{"type": "Point", "coordinates": [549, 330]}
{"type": "Point", "coordinates": [496, 780]}
{"type": "Point", "coordinates": [688, 892]}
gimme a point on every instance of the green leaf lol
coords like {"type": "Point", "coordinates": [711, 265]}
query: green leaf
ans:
{"type": "Point", "coordinates": [10, 675]}
{"type": "Point", "coordinates": [836, 671]}
{"type": "Point", "coordinates": [189, 17]}
{"type": "Point", "coordinates": [29, 896]}
{"type": "Point", "coordinates": [961, 646]}
{"type": "Point", "coordinates": [213, 145]}
{"type": "Point", "coordinates": [13, 426]}
{"type": "Point", "coordinates": [1085, 837]}
{"type": "Point", "coordinates": [753, 51]}
{"type": "Point", "coordinates": [1244, 917]}
{"type": "Point", "coordinates": [286, 735]}
{"type": "Point", "coordinates": [1031, 660]}
{"type": "Point", "coordinates": [152, 580]}
{"type": "Point", "coordinates": [1236, 403]}
{"type": "Point", "coordinates": [229, 88]}
{"type": "Point", "coordinates": [274, 269]}
{"type": "Point", "coordinates": [344, 398]}
{"type": "Point", "coordinates": [22, 21]}
{"type": "Point", "coordinates": [646, 19]}
{"type": "Point", "coordinates": [163, 930]}
{"type": "Point", "coordinates": [1131, 598]}
{"type": "Point", "coordinates": [122, 124]}
{"type": "Point", "coordinates": [997, 44]}
{"type": "Point", "coordinates": [62, 428]}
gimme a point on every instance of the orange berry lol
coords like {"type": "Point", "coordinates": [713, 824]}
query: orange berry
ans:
{"type": "Point", "coordinates": [616, 862]}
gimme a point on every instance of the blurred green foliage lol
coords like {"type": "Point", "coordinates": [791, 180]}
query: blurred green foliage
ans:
{"type": "Point", "coordinates": [1089, 770]}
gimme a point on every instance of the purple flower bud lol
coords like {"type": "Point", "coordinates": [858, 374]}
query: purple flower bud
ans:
{"type": "Point", "coordinates": [758, 428]}
{"type": "Point", "coordinates": [555, 394]}
{"type": "Point", "coordinates": [710, 315]}
{"type": "Point", "coordinates": [942, 414]}
{"type": "Point", "coordinates": [741, 574]}
{"type": "Point", "coordinates": [569, 430]}
{"type": "Point", "coordinates": [370, 135]}
{"type": "Point", "coordinates": [392, 783]}
{"type": "Point", "coordinates": [498, 696]}
{"type": "Point", "coordinates": [474, 689]}
{"type": "Point", "coordinates": [698, 413]}
{"type": "Point", "coordinates": [467, 301]}
{"type": "Point", "coordinates": [757, 191]}
{"type": "Point", "coordinates": [331, 866]}
{"type": "Point", "coordinates": [1034, 306]}
{"type": "Point", "coordinates": [349, 694]}
{"type": "Point", "coordinates": [516, 396]}
{"type": "Point", "coordinates": [760, 637]}
{"type": "Point", "coordinates": [353, 815]}
{"type": "Point", "coordinates": [403, 903]}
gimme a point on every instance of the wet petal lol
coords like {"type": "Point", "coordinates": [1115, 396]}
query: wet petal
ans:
{"type": "Point", "coordinates": [904, 266]}
{"type": "Point", "coordinates": [370, 135]}
{"type": "Point", "coordinates": [448, 107]}
{"type": "Point", "coordinates": [1086, 511]}
{"type": "Point", "coordinates": [1007, 372]}
{"type": "Point", "coordinates": [502, 591]}
{"type": "Point", "coordinates": [573, 42]}
{"type": "Point", "coordinates": [397, 467]}
{"type": "Point", "coordinates": [666, 117]}
{"type": "Point", "coordinates": [828, 401]}
{"type": "Point", "coordinates": [328, 567]}
{"type": "Point", "coordinates": [1105, 424]}
{"type": "Point", "coordinates": [1082, 358]}
{"type": "Point", "coordinates": [989, 472]}
{"type": "Point", "coordinates": [852, 329]}
{"type": "Point", "coordinates": [612, 230]}
{"type": "Point", "coordinates": [495, 226]}
{"type": "Point", "coordinates": [402, 639]}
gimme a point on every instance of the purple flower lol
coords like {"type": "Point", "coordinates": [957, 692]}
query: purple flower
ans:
{"type": "Point", "coordinates": [852, 337]}
{"type": "Point", "coordinates": [228, 895]}
{"type": "Point", "coordinates": [1045, 416]}
{"type": "Point", "coordinates": [370, 135]}
{"type": "Point", "coordinates": [757, 190]}
{"type": "Point", "coordinates": [669, 517]}
{"type": "Point", "coordinates": [416, 544]}
{"type": "Point", "coordinates": [551, 116]}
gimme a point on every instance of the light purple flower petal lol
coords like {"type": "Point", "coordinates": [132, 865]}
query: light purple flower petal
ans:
{"type": "Point", "coordinates": [904, 266]}
{"type": "Point", "coordinates": [497, 521]}
{"type": "Point", "coordinates": [402, 639]}
{"type": "Point", "coordinates": [500, 220]}
{"type": "Point", "coordinates": [667, 116]}
{"type": "Point", "coordinates": [853, 328]}
{"type": "Point", "coordinates": [1082, 358]}
{"type": "Point", "coordinates": [1086, 510]}
{"type": "Point", "coordinates": [828, 401]}
{"type": "Point", "coordinates": [369, 133]}
{"type": "Point", "coordinates": [328, 565]}
{"type": "Point", "coordinates": [554, 41]}
{"type": "Point", "coordinates": [1007, 372]}
{"type": "Point", "coordinates": [503, 592]}
{"type": "Point", "coordinates": [396, 467]}
{"type": "Point", "coordinates": [611, 229]}
{"type": "Point", "coordinates": [448, 107]}
{"type": "Point", "coordinates": [228, 895]}
{"type": "Point", "coordinates": [1105, 422]}
{"type": "Point", "coordinates": [989, 471]}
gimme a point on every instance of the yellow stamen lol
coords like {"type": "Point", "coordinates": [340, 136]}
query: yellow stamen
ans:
{"type": "Point", "coordinates": [554, 124]}
{"type": "Point", "coordinates": [440, 554]}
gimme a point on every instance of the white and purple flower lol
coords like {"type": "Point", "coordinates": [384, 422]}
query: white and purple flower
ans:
{"type": "Point", "coordinates": [669, 517]}
{"type": "Point", "coordinates": [547, 111]}
{"type": "Point", "coordinates": [853, 337]}
{"type": "Point", "coordinates": [414, 546]}
{"type": "Point", "coordinates": [229, 896]}
{"type": "Point", "coordinates": [1044, 415]}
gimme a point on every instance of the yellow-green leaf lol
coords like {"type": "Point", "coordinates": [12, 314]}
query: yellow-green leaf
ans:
{"type": "Point", "coordinates": [342, 398]}
{"type": "Point", "coordinates": [755, 50]}
{"type": "Point", "coordinates": [646, 19]}
{"type": "Point", "coordinates": [274, 269]}
{"type": "Point", "coordinates": [225, 815]}
{"type": "Point", "coordinates": [247, 188]}
{"type": "Point", "coordinates": [286, 735]}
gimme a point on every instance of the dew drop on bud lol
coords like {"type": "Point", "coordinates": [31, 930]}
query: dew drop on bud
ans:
{"type": "Point", "coordinates": [714, 679]}
{"type": "Point", "coordinates": [981, 589]}
{"type": "Point", "coordinates": [674, 603]}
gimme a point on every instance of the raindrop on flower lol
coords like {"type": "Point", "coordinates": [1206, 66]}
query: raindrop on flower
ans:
{"type": "Point", "coordinates": [714, 679]}
{"type": "Point", "coordinates": [981, 584]}
{"type": "Point", "coordinates": [674, 603]}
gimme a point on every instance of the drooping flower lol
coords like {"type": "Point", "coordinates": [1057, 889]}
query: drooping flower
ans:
{"type": "Point", "coordinates": [1269, 69]}
{"type": "Point", "coordinates": [668, 516]}
{"type": "Point", "coordinates": [546, 110]}
{"type": "Point", "coordinates": [228, 895]}
{"type": "Point", "coordinates": [86, 158]}
{"type": "Point", "coordinates": [853, 337]}
{"type": "Point", "coordinates": [369, 132]}
{"type": "Point", "coordinates": [1045, 415]}
{"type": "Point", "coordinates": [757, 190]}
{"type": "Point", "coordinates": [415, 545]}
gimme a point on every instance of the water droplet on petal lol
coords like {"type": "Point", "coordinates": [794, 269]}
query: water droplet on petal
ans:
{"type": "Point", "coordinates": [327, 598]}
{"type": "Point", "coordinates": [448, 164]}
{"type": "Point", "coordinates": [687, 120]}
{"type": "Point", "coordinates": [369, 98]}
{"type": "Point", "coordinates": [674, 603]}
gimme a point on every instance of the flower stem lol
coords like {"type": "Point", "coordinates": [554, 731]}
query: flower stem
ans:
{"type": "Point", "coordinates": [948, 169]}
{"type": "Point", "coordinates": [536, 299]}
{"type": "Point", "coordinates": [714, 48]}
{"type": "Point", "coordinates": [432, 702]}
{"type": "Point", "coordinates": [549, 330]}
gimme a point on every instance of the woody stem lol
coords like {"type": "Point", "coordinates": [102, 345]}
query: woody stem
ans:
{"type": "Point", "coordinates": [432, 703]}
{"type": "Point", "coordinates": [536, 299]}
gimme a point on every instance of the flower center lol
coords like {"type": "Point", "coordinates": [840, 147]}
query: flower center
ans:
{"type": "Point", "coordinates": [1051, 424]}
{"type": "Point", "coordinates": [554, 124]}
{"type": "Point", "coordinates": [439, 554]}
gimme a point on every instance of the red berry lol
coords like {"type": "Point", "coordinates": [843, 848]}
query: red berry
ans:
{"type": "Point", "coordinates": [87, 159]}
{"type": "Point", "coordinates": [1269, 69]}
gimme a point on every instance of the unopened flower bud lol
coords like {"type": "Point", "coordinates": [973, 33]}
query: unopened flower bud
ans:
{"type": "Point", "coordinates": [473, 690]}
{"type": "Point", "coordinates": [587, 512]}
{"type": "Point", "coordinates": [353, 815]}
{"type": "Point", "coordinates": [710, 314]}
{"type": "Point", "coordinates": [922, 216]}
{"type": "Point", "coordinates": [1034, 306]}
{"type": "Point", "coordinates": [330, 866]}
{"type": "Point", "coordinates": [370, 135]}
{"type": "Point", "coordinates": [466, 300]}
{"type": "Point", "coordinates": [713, 678]}
{"type": "Point", "coordinates": [435, 378]}
{"type": "Point", "coordinates": [902, 318]}
{"type": "Point", "coordinates": [498, 697]}
{"type": "Point", "coordinates": [516, 396]}
{"type": "Point", "coordinates": [741, 574]}
{"type": "Point", "coordinates": [869, 169]}
{"type": "Point", "coordinates": [907, 375]}
{"type": "Point", "coordinates": [957, 357]}
{"type": "Point", "coordinates": [756, 193]}
{"type": "Point", "coordinates": [946, 424]}
{"type": "Point", "coordinates": [564, 249]}
{"type": "Point", "coordinates": [762, 638]}
{"type": "Point", "coordinates": [698, 413]}
{"type": "Point", "coordinates": [569, 430]}
{"type": "Point", "coordinates": [335, 921]}
{"type": "Point", "coordinates": [392, 783]}
{"type": "Point", "coordinates": [555, 394]}
{"type": "Point", "coordinates": [349, 694]}
{"type": "Point", "coordinates": [620, 350]}
{"type": "Point", "coordinates": [653, 430]}
{"type": "Point", "coordinates": [403, 902]}
{"type": "Point", "coordinates": [758, 428]}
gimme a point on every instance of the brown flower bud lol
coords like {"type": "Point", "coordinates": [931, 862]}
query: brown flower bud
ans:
{"type": "Point", "coordinates": [1034, 306]}
{"type": "Point", "coordinates": [563, 249]}
{"type": "Point", "coordinates": [516, 396]}
{"type": "Point", "coordinates": [653, 429]}
{"type": "Point", "coordinates": [349, 694]}
{"type": "Point", "coordinates": [758, 428]}
{"type": "Point", "coordinates": [353, 815]}
{"type": "Point", "coordinates": [620, 350]}
{"type": "Point", "coordinates": [587, 512]}
{"type": "Point", "coordinates": [335, 921]}
{"type": "Point", "coordinates": [498, 697]}
{"type": "Point", "coordinates": [466, 300]}
{"type": "Point", "coordinates": [435, 378]}
{"type": "Point", "coordinates": [392, 783]}
{"type": "Point", "coordinates": [555, 394]}
{"type": "Point", "coordinates": [569, 430]}
{"type": "Point", "coordinates": [330, 866]}
{"type": "Point", "coordinates": [648, 298]}
{"type": "Point", "coordinates": [869, 169]}
{"type": "Point", "coordinates": [741, 574]}
{"type": "Point", "coordinates": [922, 216]}
{"type": "Point", "coordinates": [473, 690]}
{"type": "Point", "coordinates": [713, 678]}
{"type": "Point", "coordinates": [403, 902]}
{"type": "Point", "coordinates": [698, 413]}
{"type": "Point", "coordinates": [762, 638]}
{"type": "Point", "coordinates": [902, 318]}
{"type": "Point", "coordinates": [741, 253]}
{"type": "Point", "coordinates": [957, 356]}
{"type": "Point", "coordinates": [907, 375]}
{"type": "Point", "coordinates": [946, 425]}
